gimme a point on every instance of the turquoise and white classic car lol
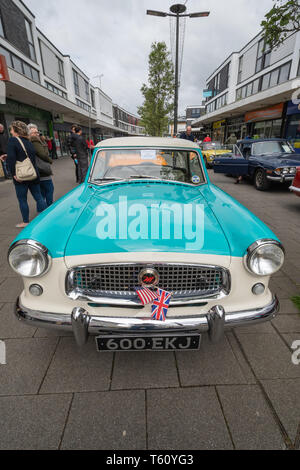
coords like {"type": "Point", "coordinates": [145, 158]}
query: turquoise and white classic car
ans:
{"type": "Point", "coordinates": [147, 221]}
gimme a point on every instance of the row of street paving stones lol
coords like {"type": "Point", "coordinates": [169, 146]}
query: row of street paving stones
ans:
{"type": "Point", "coordinates": [241, 394]}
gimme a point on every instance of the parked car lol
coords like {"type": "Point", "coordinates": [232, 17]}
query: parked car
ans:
{"type": "Point", "coordinates": [263, 161]}
{"type": "Point", "coordinates": [295, 188]}
{"type": "Point", "coordinates": [147, 216]}
{"type": "Point", "coordinates": [210, 150]}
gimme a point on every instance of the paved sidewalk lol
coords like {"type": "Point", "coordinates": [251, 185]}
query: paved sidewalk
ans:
{"type": "Point", "coordinates": [241, 394]}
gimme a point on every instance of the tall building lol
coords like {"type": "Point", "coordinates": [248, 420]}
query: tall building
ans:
{"type": "Point", "coordinates": [46, 86]}
{"type": "Point", "coordinates": [251, 93]}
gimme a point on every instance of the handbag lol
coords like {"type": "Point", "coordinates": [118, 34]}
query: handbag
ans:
{"type": "Point", "coordinates": [25, 170]}
{"type": "Point", "coordinates": [43, 167]}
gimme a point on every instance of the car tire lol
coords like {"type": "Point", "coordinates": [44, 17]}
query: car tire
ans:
{"type": "Point", "coordinates": [260, 180]}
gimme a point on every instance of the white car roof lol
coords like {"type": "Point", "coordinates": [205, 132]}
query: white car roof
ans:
{"type": "Point", "coordinates": [148, 142]}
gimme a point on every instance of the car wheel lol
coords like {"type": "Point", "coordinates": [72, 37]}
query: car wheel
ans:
{"type": "Point", "coordinates": [260, 180]}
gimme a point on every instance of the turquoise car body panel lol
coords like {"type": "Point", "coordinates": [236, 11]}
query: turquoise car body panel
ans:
{"type": "Point", "coordinates": [71, 226]}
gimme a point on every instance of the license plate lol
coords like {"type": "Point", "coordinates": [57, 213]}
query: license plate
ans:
{"type": "Point", "coordinates": [148, 343]}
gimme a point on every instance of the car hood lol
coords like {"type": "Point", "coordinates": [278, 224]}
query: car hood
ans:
{"type": "Point", "coordinates": [149, 216]}
{"type": "Point", "coordinates": [282, 160]}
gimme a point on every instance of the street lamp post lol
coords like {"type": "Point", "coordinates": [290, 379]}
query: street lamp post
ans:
{"type": "Point", "coordinates": [177, 11]}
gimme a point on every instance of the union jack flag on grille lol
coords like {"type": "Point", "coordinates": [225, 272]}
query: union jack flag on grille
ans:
{"type": "Point", "coordinates": [146, 295]}
{"type": "Point", "coordinates": [160, 306]}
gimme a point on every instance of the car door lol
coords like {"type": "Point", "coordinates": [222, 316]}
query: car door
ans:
{"type": "Point", "coordinates": [234, 163]}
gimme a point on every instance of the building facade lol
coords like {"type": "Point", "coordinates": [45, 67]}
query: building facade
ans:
{"type": "Point", "coordinates": [46, 87]}
{"type": "Point", "coordinates": [250, 93]}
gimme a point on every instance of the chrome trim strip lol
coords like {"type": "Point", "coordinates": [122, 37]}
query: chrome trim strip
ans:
{"type": "Point", "coordinates": [295, 189]}
{"type": "Point", "coordinates": [281, 179]}
{"type": "Point", "coordinates": [213, 322]}
{"type": "Point", "coordinates": [79, 294]}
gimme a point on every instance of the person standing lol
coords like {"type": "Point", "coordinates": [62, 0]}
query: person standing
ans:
{"type": "Point", "coordinates": [54, 149]}
{"type": "Point", "coordinates": [188, 135]}
{"type": "Point", "coordinates": [207, 139]}
{"type": "Point", "coordinates": [81, 154]}
{"type": "Point", "coordinates": [3, 155]}
{"type": "Point", "coordinates": [72, 150]}
{"type": "Point", "coordinates": [16, 153]}
{"type": "Point", "coordinates": [232, 140]}
{"type": "Point", "coordinates": [42, 153]}
{"type": "Point", "coordinates": [50, 147]}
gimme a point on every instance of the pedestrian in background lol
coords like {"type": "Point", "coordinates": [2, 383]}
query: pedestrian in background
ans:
{"type": "Point", "coordinates": [207, 139]}
{"type": "Point", "coordinates": [188, 135]}
{"type": "Point", "coordinates": [44, 163]}
{"type": "Point", "coordinates": [81, 154]}
{"type": "Point", "coordinates": [232, 140]}
{"type": "Point", "coordinates": [54, 149]}
{"type": "Point", "coordinates": [3, 154]}
{"type": "Point", "coordinates": [50, 147]}
{"type": "Point", "coordinates": [16, 153]}
{"type": "Point", "coordinates": [72, 150]}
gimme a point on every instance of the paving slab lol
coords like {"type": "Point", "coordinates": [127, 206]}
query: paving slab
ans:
{"type": "Point", "coordinates": [287, 307]}
{"type": "Point", "coordinates": [213, 364]}
{"type": "Point", "coordinates": [33, 422]}
{"type": "Point", "coordinates": [78, 370]}
{"type": "Point", "coordinates": [10, 289]}
{"type": "Point", "coordinates": [285, 397]}
{"type": "Point", "coordinates": [249, 418]}
{"type": "Point", "coordinates": [144, 370]}
{"type": "Point", "coordinates": [11, 327]}
{"type": "Point", "coordinates": [106, 421]}
{"type": "Point", "coordinates": [268, 355]}
{"type": "Point", "coordinates": [186, 419]}
{"type": "Point", "coordinates": [287, 323]}
{"type": "Point", "coordinates": [27, 363]}
{"type": "Point", "coordinates": [246, 369]}
{"type": "Point", "coordinates": [283, 287]}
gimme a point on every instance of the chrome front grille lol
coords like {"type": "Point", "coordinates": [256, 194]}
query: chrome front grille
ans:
{"type": "Point", "coordinates": [119, 280]}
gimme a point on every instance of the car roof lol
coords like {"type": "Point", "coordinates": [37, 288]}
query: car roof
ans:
{"type": "Point", "coordinates": [159, 142]}
{"type": "Point", "coordinates": [251, 141]}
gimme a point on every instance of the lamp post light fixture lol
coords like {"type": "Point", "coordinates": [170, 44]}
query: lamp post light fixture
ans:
{"type": "Point", "coordinates": [178, 11]}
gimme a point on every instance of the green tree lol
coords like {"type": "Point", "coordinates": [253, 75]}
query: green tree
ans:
{"type": "Point", "coordinates": [159, 93]}
{"type": "Point", "coordinates": [281, 21]}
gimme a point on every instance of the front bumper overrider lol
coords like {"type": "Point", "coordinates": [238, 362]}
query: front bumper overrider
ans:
{"type": "Point", "coordinates": [82, 324]}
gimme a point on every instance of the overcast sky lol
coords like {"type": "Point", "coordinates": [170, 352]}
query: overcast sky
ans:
{"type": "Point", "coordinates": [114, 37]}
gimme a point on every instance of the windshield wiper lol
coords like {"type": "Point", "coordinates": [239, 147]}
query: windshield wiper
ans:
{"type": "Point", "coordinates": [144, 177]}
{"type": "Point", "coordinates": [109, 179]}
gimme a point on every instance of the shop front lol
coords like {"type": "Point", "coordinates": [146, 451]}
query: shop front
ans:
{"type": "Point", "coordinates": [292, 132]}
{"type": "Point", "coordinates": [219, 131]}
{"type": "Point", "coordinates": [265, 123]}
{"type": "Point", "coordinates": [15, 111]}
{"type": "Point", "coordinates": [236, 126]}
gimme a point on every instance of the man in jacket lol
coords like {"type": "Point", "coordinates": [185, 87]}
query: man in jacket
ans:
{"type": "Point", "coordinates": [188, 135]}
{"type": "Point", "coordinates": [72, 150]}
{"type": "Point", "coordinates": [81, 154]}
{"type": "Point", "coordinates": [3, 156]}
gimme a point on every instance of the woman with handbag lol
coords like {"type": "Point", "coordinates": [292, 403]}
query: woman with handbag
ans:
{"type": "Point", "coordinates": [43, 162]}
{"type": "Point", "coordinates": [22, 165]}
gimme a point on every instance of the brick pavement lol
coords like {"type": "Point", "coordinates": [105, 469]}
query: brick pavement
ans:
{"type": "Point", "coordinates": [240, 394]}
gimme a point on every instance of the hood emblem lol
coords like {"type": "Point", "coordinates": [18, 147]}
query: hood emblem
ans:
{"type": "Point", "coordinates": [148, 277]}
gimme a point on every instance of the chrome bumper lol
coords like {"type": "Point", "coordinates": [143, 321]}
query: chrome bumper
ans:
{"type": "Point", "coordinates": [281, 179]}
{"type": "Point", "coordinates": [82, 324]}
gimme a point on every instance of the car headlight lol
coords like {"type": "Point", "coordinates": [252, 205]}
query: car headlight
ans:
{"type": "Point", "coordinates": [29, 258]}
{"type": "Point", "coordinates": [265, 257]}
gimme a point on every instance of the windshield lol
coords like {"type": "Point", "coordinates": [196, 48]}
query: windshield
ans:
{"type": "Point", "coordinates": [272, 147]}
{"type": "Point", "coordinates": [212, 146]}
{"type": "Point", "coordinates": [170, 165]}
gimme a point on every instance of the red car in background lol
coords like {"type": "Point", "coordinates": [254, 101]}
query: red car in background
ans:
{"type": "Point", "coordinates": [295, 188]}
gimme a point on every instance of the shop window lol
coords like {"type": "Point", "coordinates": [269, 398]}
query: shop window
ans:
{"type": "Point", "coordinates": [284, 73]}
